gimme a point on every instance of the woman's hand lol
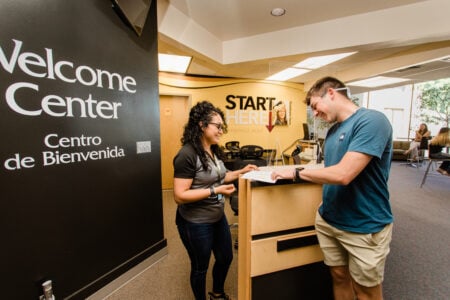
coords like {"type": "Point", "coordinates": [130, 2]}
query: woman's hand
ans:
{"type": "Point", "coordinates": [248, 168]}
{"type": "Point", "coordinates": [234, 175]}
{"type": "Point", "coordinates": [225, 189]}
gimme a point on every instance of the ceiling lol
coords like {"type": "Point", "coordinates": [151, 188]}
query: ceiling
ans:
{"type": "Point", "coordinates": [240, 38]}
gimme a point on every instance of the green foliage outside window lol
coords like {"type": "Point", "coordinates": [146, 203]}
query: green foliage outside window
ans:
{"type": "Point", "coordinates": [435, 102]}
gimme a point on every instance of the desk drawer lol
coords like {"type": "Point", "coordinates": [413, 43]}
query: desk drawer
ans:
{"type": "Point", "coordinates": [284, 252]}
{"type": "Point", "coordinates": [276, 208]}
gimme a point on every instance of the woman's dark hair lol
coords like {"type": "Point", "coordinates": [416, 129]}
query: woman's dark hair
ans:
{"type": "Point", "coordinates": [425, 130]}
{"type": "Point", "coordinates": [200, 117]}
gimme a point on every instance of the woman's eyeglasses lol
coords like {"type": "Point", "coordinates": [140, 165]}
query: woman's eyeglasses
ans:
{"type": "Point", "coordinates": [218, 125]}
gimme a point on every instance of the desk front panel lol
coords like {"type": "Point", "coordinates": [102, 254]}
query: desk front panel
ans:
{"type": "Point", "coordinates": [277, 238]}
{"type": "Point", "coordinates": [268, 255]}
{"type": "Point", "coordinates": [281, 207]}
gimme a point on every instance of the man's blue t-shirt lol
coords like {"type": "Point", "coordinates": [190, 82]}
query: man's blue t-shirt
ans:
{"type": "Point", "coordinates": [363, 205]}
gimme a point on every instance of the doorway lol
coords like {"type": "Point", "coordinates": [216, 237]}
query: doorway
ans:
{"type": "Point", "coordinates": [174, 113]}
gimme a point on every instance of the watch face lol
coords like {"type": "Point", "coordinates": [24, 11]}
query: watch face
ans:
{"type": "Point", "coordinates": [297, 173]}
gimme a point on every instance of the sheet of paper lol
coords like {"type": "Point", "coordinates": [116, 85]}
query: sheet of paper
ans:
{"type": "Point", "coordinates": [263, 176]}
{"type": "Point", "coordinates": [264, 173]}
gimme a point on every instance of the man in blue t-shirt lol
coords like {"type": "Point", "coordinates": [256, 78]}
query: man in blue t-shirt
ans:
{"type": "Point", "coordinates": [354, 222]}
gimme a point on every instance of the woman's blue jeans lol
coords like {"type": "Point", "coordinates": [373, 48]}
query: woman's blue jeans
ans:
{"type": "Point", "coordinates": [200, 239]}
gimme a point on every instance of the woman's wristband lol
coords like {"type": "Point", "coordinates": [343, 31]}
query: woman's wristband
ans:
{"type": "Point", "coordinates": [212, 192]}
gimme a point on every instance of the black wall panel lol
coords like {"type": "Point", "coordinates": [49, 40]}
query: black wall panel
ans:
{"type": "Point", "coordinates": [80, 196]}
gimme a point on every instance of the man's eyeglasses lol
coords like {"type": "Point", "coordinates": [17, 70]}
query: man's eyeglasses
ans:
{"type": "Point", "coordinates": [340, 89]}
{"type": "Point", "coordinates": [349, 95]}
{"type": "Point", "coordinates": [313, 105]}
{"type": "Point", "coordinates": [219, 126]}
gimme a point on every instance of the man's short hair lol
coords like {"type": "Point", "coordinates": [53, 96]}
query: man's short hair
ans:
{"type": "Point", "coordinates": [322, 85]}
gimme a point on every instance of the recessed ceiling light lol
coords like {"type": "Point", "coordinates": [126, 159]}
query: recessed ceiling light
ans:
{"type": "Point", "coordinates": [320, 61]}
{"type": "Point", "coordinates": [287, 74]}
{"type": "Point", "coordinates": [307, 65]}
{"type": "Point", "coordinates": [377, 81]}
{"type": "Point", "coordinates": [277, 12]}
{"type": "Point", "coordinates": [173, 63]}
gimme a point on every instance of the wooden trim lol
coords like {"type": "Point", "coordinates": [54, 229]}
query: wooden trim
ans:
{"type": "Point", "coordinates": [244, 279]}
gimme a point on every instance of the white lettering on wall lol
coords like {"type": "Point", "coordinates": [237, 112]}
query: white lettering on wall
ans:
{"type": "Point", "coordinates": [44, 66]}
{"type": "Point", "coordinates": [246, 117]}
{"type": "Point", "coordinates": [52, 140]}
{"type": "Point", "coordinates": [28, 61]}
{"type": "Point", "coordinates": [57, 106]}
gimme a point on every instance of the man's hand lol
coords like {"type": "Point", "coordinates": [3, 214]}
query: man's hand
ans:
{"type": "Point", "coordinates": [283, 174]}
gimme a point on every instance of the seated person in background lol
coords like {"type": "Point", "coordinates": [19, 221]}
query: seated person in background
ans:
{"type": "Point", "coordinates": [436, 145]}
{"type": "Point", "coordinates": [420, 133]}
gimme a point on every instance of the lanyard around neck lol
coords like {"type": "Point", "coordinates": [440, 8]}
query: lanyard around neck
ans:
{"type": "Point", "coordinates": [216, 164]}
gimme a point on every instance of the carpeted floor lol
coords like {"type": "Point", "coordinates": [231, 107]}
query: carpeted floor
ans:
{"type": "Point", "coordinates": [418, 267]}
{"type": "Point", "coordinates": [169, 278]}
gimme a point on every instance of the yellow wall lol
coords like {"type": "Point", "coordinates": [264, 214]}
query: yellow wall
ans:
{"type": "Point", "coordinates": [246, 132]}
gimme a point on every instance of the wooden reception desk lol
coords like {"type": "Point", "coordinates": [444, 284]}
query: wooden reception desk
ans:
{"type": "Point", "coordinates": [278, 255]}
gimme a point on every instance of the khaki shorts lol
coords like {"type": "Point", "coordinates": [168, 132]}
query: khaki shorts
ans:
{"type": "Point", "coordinates": [364, 254]}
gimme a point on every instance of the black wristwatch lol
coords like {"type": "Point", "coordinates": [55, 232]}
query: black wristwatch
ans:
{"type": "Point", "coordinates": [211, 191]}
{"type": "Point", "coordinates": [297, 175]}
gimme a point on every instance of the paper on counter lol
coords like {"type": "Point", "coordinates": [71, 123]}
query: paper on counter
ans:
{"type": "Point", "coordinates": [264, 173]}
{"type": "Point", "coordinates": [263, 176]}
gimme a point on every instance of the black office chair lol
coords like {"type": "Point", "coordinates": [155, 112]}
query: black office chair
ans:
{"type": "Point", "coordinates": [421, 153]}
{"type": "Point", "coordinates": [249, 154]}
{"type": "Point", "coordinates": [422, 148]}
{"type": "Point", "coordinates": [306, 134]}
{"type": "Point", "coordinates": [296, 154]}
{"type": "Point", "coordinates": [233, 148]}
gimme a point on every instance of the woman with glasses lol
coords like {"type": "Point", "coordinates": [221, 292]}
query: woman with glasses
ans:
{"type": "Point", "coordinates": [201, 183]}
